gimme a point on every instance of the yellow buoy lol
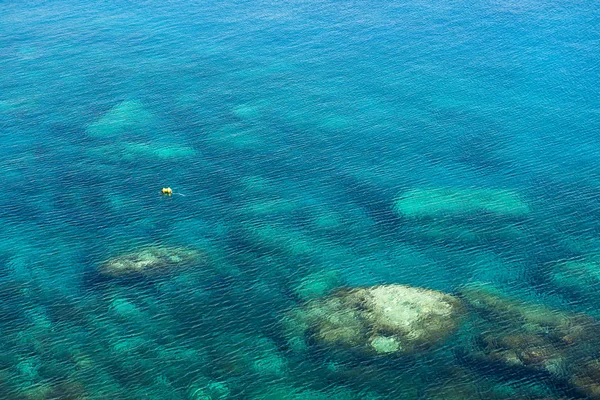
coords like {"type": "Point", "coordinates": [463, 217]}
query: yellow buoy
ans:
{"type": "Point", "coordinates": [168, 191]}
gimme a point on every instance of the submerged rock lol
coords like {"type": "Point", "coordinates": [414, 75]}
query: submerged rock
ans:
{"type": "Point", "coordinates": [579, 278]}
{"type": "Point", "coordinates": [531, 337]}
{"type": "Point", "coordinates": [388, 319]}
{"type": "Point", "coordinates": [149, 261]}
{"type": "Point", "coordinates": [206, 389]}
{"type": "Point", "coordinates": [510, 314]}
{"type": "Point", "coordinates": [430, 203]}
{"type": "Point", "coordinates": [587, 379]}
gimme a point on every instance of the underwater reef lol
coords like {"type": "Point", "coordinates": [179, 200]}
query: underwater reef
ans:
{"type": "Point", "coordinates": [387, 319]}
{"type": "Point", "coordinates": [524, 337]}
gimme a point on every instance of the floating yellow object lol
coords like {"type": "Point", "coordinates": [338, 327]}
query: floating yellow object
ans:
{"type": "Point", "coordinates": [168, 191]}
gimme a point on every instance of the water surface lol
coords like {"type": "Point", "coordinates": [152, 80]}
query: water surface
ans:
{"type": "Point", "coordinates": [288, 132]}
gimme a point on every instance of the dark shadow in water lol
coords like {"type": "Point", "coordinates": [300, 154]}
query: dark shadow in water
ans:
{"type": "Point", "coordinates": [377, 201]}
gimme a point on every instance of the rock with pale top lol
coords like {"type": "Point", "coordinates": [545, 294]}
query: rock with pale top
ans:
{"type": "Point", "coordinates": [387, 319]}
{"type": "Point", "coordinates": [149, 261]}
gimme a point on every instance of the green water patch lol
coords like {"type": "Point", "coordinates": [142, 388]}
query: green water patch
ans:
{"type": "Point", "coordinates": [126, 117]}
{"type": "Point", "coordinates": [317, 284]}
{"type": "Point", "coordinates": [431, 203]}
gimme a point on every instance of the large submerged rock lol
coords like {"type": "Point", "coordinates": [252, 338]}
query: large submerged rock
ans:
{"type": "Point", "coordinates": [387, 319]}
{"type": "Point", "coordinates": [527, 337]}
{"type": "Point", "coordinates": [149, 261]}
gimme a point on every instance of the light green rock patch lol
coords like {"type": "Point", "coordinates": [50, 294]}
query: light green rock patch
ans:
{"type": "Point", "coordinates": [383, 344]}
{"type": "Point", "coordinates": [124, 309]}
{"type": "Point", "coordinates": [37, 391]}
{"type": "Point", "coordinates": [12, 104]}
{"type": "Point", "coordinates": [39, 319]}
{"type": "Point", "coordinates": [180, 354]}
{"type": "Point", "coordinates": [28, 368]}
{"type": "Point", "coordinates": [386, 319]}
{"type": "Point", "coordinates": [127, 116]}
{"type": "Point", "coordinates": [128, 345]}
{"type": "Point", "coordinates": [270, 365]}
{"type": "Point", "coordinates": [267, 359]}
{"type": "Point", "coordinates": [150, 261]}
{"type": "Point", "coordinates": [423, 203]}
{"type": "Point", "coordinates": [158, 151]}
{"type": "Point", "coordinates": [297, 344]}
{"type": "Point", "coordinates": [206, 389]}
{"type": "Point", "coordinates": [327, 221]}
{"type": "Point", "coordinates": [295, 323]}
{"type": "Point", "coordinates": [246, 111]}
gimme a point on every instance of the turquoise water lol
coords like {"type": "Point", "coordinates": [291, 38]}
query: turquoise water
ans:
{"type": "Point", "coordinates": [311, 146]}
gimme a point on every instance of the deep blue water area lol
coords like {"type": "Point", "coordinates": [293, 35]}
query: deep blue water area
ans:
{"type": "Point", "coordinates": [313, 148]}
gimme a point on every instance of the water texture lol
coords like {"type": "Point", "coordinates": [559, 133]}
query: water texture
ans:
{"type": "Point", "coordinates": [316, 150]}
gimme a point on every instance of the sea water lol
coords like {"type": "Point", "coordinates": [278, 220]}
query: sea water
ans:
{"type": "Point", "coordinates": [312, 146]}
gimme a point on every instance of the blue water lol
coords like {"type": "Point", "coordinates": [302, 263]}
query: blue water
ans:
{"type": "Point", "coordinates": [288, 131]}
